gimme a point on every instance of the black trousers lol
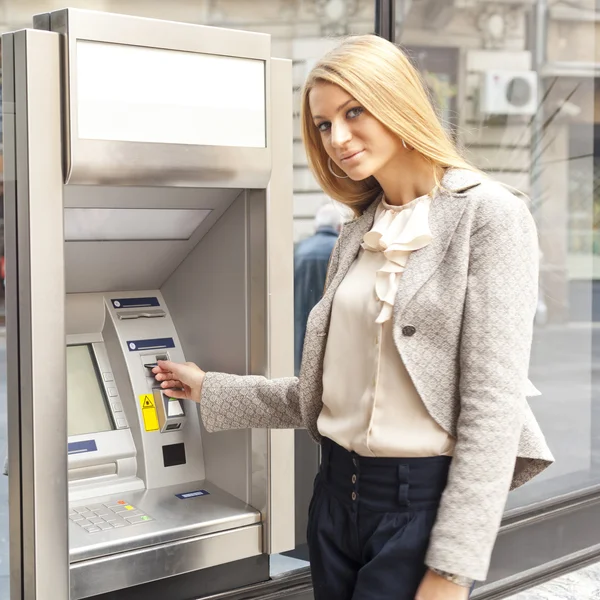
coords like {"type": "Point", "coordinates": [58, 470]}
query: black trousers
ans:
{"type": "Point", "coordinates": [369, 524]}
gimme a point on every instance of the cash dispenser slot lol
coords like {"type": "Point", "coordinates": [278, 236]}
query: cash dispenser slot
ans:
{"type": "Point", "coordinates": [141, 314]}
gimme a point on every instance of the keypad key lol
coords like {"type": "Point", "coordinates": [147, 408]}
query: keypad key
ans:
{"type": "Point", "coordinates": [88, 514]}
{"type": "Point", "coordinates": [76, 517]}
{"type": "Point", "coordinates": [93, 529]}
{"type": "Point", "coordinates": [102, 512]}
{"type": "Point", "coordinates": [138, 519]}
{"type": "Point", "coordinates": [118, 508]}
{"type": "Point", "coordinates": [117, 524]}
{"type": "Point", "coordinates": [95, 507]}
{"type": "Point", "coordinates": [84, 523]}
{"type": "Point", "coordinates": [105, 526]}
{"type": "Point", "coordinates": [132, 513]}
{"type": "Point", "coordinates": [95, 520]}
{"type": "Point", "coordinates": [111, 517]}
{"type": "Point", "coordinates": [81, 509]}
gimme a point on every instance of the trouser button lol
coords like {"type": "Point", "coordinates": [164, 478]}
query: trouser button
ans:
{"type": "Point", "coordinates": [353, 495]}
{"type": "Point", "coordinates": [353, 478]}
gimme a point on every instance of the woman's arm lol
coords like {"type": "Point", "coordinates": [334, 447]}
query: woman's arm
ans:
{"type": "Point", "coordinates": [239, 402]}
{"type": "Point", "coordinates": [233, 401]}
{"type": "Point", "coordinates": [495, 349]}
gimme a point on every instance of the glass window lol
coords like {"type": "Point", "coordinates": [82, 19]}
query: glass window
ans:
{"type": "Point", "coordinates": [516, 86]}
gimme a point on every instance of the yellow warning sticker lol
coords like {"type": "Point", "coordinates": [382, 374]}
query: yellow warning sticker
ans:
{"type": "Point", "coordinates": [149, 412]}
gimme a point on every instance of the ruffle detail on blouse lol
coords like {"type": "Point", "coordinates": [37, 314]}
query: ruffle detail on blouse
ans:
{"type": "Point", "coordinates": [397, 232]}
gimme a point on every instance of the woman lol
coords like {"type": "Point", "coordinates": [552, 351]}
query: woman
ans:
{"type": "Point", "coordinates": [414, 370]}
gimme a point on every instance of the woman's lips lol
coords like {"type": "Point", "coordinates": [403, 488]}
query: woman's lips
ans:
{"type": "Point", "coordinates": [352, 157]}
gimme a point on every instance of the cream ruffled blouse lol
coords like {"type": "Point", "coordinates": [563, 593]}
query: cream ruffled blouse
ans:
{"type": "Point", "coordinates": [397, 232]}
{"type": "Point", "coordinates": [370, 404]}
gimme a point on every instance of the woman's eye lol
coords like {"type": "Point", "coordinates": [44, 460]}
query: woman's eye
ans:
{"type": "Point", "coordinates": [322, 127]}
{"type": "Point", "coordinates": [354, 112]}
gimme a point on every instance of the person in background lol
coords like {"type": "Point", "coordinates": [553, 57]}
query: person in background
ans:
{"type": "Point", "coordinates": [311, 258]}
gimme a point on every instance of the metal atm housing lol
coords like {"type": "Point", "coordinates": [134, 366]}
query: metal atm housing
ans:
{"type": "Point", "coordinates": [148, 213]}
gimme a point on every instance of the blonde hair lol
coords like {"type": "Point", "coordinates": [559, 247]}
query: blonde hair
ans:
{"type": "Point", "coordinates": [381, 78]}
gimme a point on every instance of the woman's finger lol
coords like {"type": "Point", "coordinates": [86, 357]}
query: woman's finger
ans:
{"type": "Point", "coordinates": [169, 366]}
{"type": "Point", "coordinates": [173, 383]}
{"type": "Point", "coordinates": [165, 376]}
{"type": "Point", "coordinates": [179, 394]}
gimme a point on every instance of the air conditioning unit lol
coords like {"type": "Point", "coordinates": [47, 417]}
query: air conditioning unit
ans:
{"type": "Point", "coordinates": [509, 93]}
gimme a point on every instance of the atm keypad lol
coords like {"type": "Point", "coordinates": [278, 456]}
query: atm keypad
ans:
{"type": "Point", "coordinates": [102, 517]}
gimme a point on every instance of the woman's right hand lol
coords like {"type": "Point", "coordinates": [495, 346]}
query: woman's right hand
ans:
{"type": "Point", "coordinates": [183, 380]}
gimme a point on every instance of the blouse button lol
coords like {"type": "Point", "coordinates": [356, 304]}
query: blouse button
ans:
{"type": "Point", "coordinates": [353, 495]}
{"type": "Point", "coordinates": [408, 330]}
{"type": "Point", "coordinates": [353, 478]}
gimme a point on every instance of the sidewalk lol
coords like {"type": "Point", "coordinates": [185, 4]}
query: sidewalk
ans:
{"type": "Point", "coordinates": [579, 585]}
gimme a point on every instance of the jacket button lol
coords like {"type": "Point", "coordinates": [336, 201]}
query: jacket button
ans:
{"type": "Point", "coordinates": [408, 330]}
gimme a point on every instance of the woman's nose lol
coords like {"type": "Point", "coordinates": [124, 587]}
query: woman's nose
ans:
{"type": "Point", "coordinates": [340, 135]}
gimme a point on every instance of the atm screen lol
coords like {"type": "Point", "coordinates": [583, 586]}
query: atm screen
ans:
{"type": "Point", "coordinates": [87, 411]}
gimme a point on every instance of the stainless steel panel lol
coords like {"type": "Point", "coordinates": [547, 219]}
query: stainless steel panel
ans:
{"type": "Point", "coordinates": [41, 324]}
{"type": "Point", "coordinates": [166, 560]}
{"type": "Point", "coordinates": [213, 331]}
{"type": "Point", "coordinates": [280, 531]}
{"type": "Point", "coordinates": [12, 317]}
{"type": "Point", "coordinates": [99, 266]}
{"type": "Point", "coordinates": [106, 162]}
{"type": "Point", "coordinates": [258, 358]}
{"type": "Point", "coordinates": [173, 519]}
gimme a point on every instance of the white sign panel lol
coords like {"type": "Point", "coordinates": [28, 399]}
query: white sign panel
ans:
{"type": "Point", "coordinates": [137, 94]}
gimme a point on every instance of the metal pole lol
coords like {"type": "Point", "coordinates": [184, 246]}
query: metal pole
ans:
{"type": "Point", "coordinates": [385, 19]}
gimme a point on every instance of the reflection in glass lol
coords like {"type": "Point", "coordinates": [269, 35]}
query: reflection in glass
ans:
{"type": "Point", "coordinates": [536, 132]}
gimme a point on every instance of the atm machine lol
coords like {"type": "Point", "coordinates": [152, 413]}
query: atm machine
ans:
{"type": "Point", "coordinates": [148, 208]}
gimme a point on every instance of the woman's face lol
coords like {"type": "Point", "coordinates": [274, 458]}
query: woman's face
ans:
{"type": "Point", "coordinates": [355, 140]}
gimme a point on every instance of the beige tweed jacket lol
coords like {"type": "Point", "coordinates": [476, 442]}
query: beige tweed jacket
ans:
{"type": "Point", "coordinates": [463, 321]}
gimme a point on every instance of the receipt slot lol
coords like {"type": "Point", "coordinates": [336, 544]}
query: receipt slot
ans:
{"type": "Point", "coordinates": [148, 194]}
{"type": "Point", "coordinates": [171, 414]}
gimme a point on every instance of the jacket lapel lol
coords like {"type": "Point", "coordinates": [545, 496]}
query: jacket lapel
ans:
{"type": "Point", "coordinates": [447, 207]}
